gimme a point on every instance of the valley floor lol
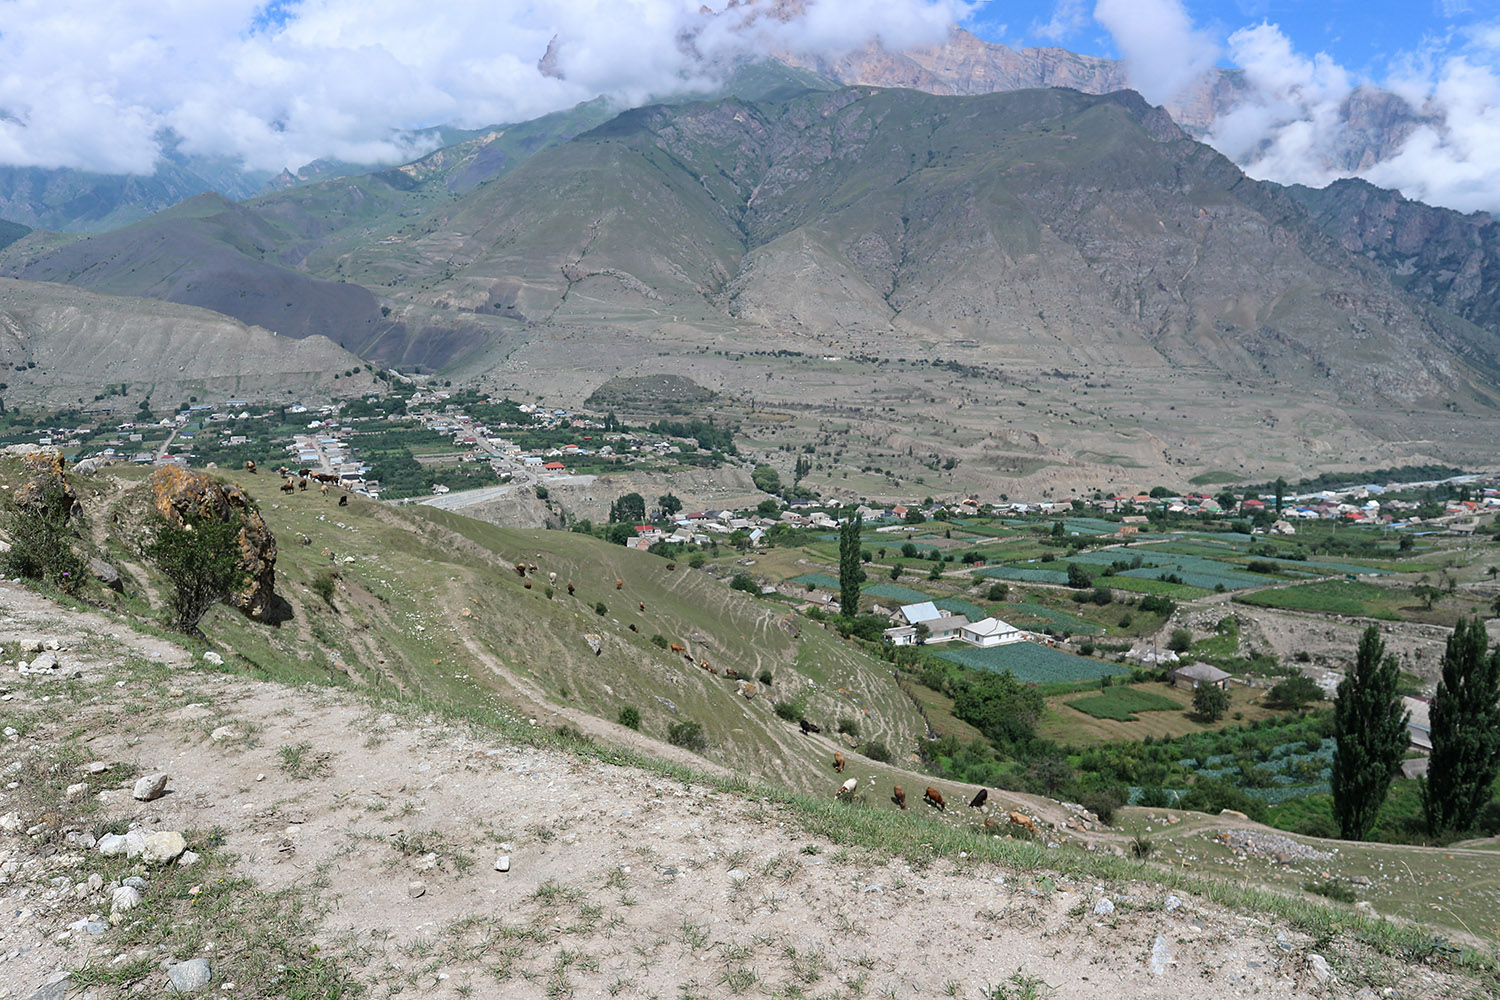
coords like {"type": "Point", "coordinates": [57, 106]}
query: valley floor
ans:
{"type": "Point", "coordinates": [380, 833]}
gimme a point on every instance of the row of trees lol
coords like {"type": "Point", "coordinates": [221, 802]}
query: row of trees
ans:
{"type": "Point", "coordinates": [1370, 730]}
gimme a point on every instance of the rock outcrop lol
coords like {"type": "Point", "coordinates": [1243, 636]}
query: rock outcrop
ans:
{"type": "Point", "coordinates": [178, 493]}
{"type": "Point", "coordinates": [46, 484]}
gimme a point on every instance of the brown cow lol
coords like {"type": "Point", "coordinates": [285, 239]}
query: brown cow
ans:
{"type": "Point", "coordinates": [527, 584]}
{"type": "Point", "coordinates": [898, 796]}
{"type": "Point", "coordinates": [250, 467]}
{"type": "Point", "coordinates": [323, 489]}
{"type": "Point", "coordinates": [1023, 821]}
{"type": "Point", "coordinates": [990, 826]}
{"type": "Point", "coordinates": [934, 798]}
{"type": "Point", "coordinates": [619, 584]}
{"type": "Point", "coordinates": [288, 486]}
{"type": "Point", "coordinates": [838, 762]}
{"type": "Point", "coordinates": [302, 485]}
{"type": "Point", "coordinates": [520, 569]}
{"type": "Point", "coordinates": [731, 673]}
{"type": "Point", "coordinates": [643, 605]}
{"type": "Point", "coordinates": [678, 648]}
{"type": "Point", "coordinates": [671, 565]}
{"type": "Point", "coordinates": [570, 590]}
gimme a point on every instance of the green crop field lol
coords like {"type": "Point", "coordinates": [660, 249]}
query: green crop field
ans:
{"type": "Point", "coordinates": [1031, 662]}
{"type": "Point", "coordinates": [1121, 704]}
{"type": "Point", "coordinates": [896, 592]}
{"type": "Point", "coordinates": [1028, 575]}
{"type": "Point", "coordinates": [1026, 615]}
{"type": "Point", "coordinates": [817, 580]}
{"type": "Point", "coordinates": [1339, 597]}
{"type": "Point", "coordinates": [959, 606]}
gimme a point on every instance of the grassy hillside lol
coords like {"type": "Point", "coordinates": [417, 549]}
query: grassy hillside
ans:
{"type": "Point", "coordinates": [428, 605]}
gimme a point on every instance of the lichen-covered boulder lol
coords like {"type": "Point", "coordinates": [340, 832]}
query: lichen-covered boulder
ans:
{"type": "Point", "coordinates": [177, 493]}
{"type": "Point", "coordinates": [45, 484]}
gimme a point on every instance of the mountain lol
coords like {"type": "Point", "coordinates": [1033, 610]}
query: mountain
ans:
{"type": "Point", "coordinates": [60, 346]}
{"type": "Point", "coordinates": [1030, 239]}
{"type": "Point", "coordinates": [1374, 122]}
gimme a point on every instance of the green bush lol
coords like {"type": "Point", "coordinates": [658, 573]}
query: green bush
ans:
{"type": "Point", "coordinates": [323, 586]}
{"type": "Point", "coordinates": [688, 735]}
{"type": "Point", "coordinates": [41, 540]}
{"type": "Point", "coordinates": [876, 750]}
{"type": "Point", "coordinates": [660, 641]}
{"type": "Point", "coordinates": [630, 718]}
{"type": "Point", "coordinates": [790, 711]}
{"type": "Point", "coordinates": [765, 677]}
{"type": "Point", "coordinates": [1103, 802]}
{"type": "Point", "coordinates": [600, 609]}
{"type": "Point", "coordinates": [743, 581]}
{"type": "Point", "coordinates": [848, 725]}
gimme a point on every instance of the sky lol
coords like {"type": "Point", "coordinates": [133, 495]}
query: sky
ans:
{"type": "Point", "coordinates": [102, 84]}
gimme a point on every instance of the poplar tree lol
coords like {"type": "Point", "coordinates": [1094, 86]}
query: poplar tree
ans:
{"type": "Point", "coordinates": [1369, 726]}
{"type": "Point", "coordinates": [851, 573]}
{"type": "Point", "coordinates": [1465, 731]}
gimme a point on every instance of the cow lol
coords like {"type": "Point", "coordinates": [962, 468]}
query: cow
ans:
{"type": "Point", "coordinates": [643, 605]}
{"type": "Point", "coordinates": [934, 798]}
{"type": "Point", "coordinates": [978, 801]}
{"type": "Point", "coordinates": [570, 590]}
{"type": "Point", "coordinates": [678, 647]}
{"type": "Point", "coordinates": [632, 628]}
{"type": "Point", "coordinates": [898, 796]}
{"type": "Point", "coordinates": [846, 790]}
{"type": "Point", "coordinates": [344, 500]}
{"type": "Point", "coordinates": [838, 762]}
{"type": "Point", "coordinates": [303, 539]}
{"type": "Point", "coordinates": [250, 468]}
{"type": "Point", "coordinates": [552, 577]}
{"type": "Point", "coordinates": [731, 673]}
{"type": "Point", "coordinates": [288, 486]}
{"type": "Point", "coordinates": [671, 565]}
{"type": "Point", "coordinates": [1023, 821]}
{"type": "Point", "coordinates": [527, 584]}
{"type": "Point", "coordinates": [990, 826]}
{"type": "Point", "coordinates": [808, 727]}
{"type": "Point", "coordinates": [302, 485]}
{"type": "Point", "coordinates": [323, 489]}
{"type": "Point", "coordinates": [521, 569]}
{"type": "Point", "coordinates": [619, 584]}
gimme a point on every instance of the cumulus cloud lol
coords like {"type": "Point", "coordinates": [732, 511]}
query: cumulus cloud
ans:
{"type": "Point", "coordinates": [98, 84]}
{"type": "Point", "coordinates": [1163, 52]}
{"type": "Point", "coordinates": [1068, 18]}
{"type": "Point", "coordinates": [1428, 129]}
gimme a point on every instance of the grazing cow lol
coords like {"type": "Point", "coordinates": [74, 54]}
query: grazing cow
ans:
{"type": "Point", "coordinates": [1023, 821]}
{"type": "Point", "coordinates": [979, 800]}
{"type": "Point", "coordinates": [846, 790]}
{"type": "Point", "coordinates": [344, 500]}
{"type": "Point", "coordinates": [731, 673]}
{"type": "Point", "coordinates": [632, 628]}
{"type": "Point", "coordinates": [643, 605]}
{"type": "Point", "coordinates": [302, 485]}
{"type": "Point", "coordinates": [303, 539]}
{"type": "Point", "coordinates": [323, 489]}
{"type": "Point", "coordinates": [808, 727]}
{"type": "Point", "coordinates": [570, 590]}
{"type": "Point", "coordinates": [288, 486]}
{"type": "Point", "coordinates": [552, 577]}
{"type": "Point", "coordinates": [990, 826]}
{"type": "Point", "coordinates": [838, 762]}
{"type": "Point", "coordinates": [520, 569]}
{"type": "Point", "coordinates": [934, 798]}
{"type": "Point", "coordinates": [282, 470]}
{"type": "Point", "coordinates": [527, 584]}
{"type": "Point", "coordinates": [619, 584]}
{"type": "Point", "coordinates": [671, 565]}
{"type": "Point", "coordinates": [677, 647]}
{"type": "Point", "coordinates": [898, 796]}
{"type": "Point", "coordinates": [250, 467]}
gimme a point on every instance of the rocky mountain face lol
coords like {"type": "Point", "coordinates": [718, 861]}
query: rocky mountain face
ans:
{"type": "Point", "coordinates": [1441, 257]}
{"type": "Point", "coordinates": [1376, 121]}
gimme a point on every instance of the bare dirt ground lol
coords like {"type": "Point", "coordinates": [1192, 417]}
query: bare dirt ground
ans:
{"type": "Point", "coordinates": [620, 881]}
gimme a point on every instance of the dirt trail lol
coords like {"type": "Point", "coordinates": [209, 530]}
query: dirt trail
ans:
{"type": "Point", "coordinates": [620, 881]}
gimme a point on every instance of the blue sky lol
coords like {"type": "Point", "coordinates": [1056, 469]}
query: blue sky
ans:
{"type": "Point", "coordinates": [1361, 35]}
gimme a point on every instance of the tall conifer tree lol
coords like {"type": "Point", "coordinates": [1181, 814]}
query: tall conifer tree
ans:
{"type": "Point", "coordinates": [851, 573]}
{"type": "Point", "coordinates": [1370, 728]}
{"type": "Point", "coordinates": [1465, 731]}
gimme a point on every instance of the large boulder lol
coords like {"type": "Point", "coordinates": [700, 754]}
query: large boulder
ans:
{"type": "Point", "coordinates": [177, 493]}
{"type": "Point", "coordinates": [45, 484]}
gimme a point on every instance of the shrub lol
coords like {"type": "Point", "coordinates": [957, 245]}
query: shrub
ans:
{"type": "Point", "coordinates": [1156, 798]}
{"type": "Point", "coordinates": [765, 677]}
{"type": "Point", "coordinates": [1103, 802]}
{"type": "Point", "coordinates": [788, 710]}
{"type": "Point", "coordinates": [1181, 640]}
{"type": "Point", "coordinates": [743, 581]}
{"type": "Point", "coordinates": [850, 726]}
{"type": "Point", "coordinates": [998, 591]}
{"type": "Point", "coordinates": [323, 586]}
{"type": "Point", "coordinates": [600, 609]}
{"type": "Point", "coordinates": [696, 560]}
{"type": "Point", "coordinates": [660, 641]}
{"type": "Point", "coordinates": [1142, 848]}
{"type": "Point", "coordinates": [688, 735]}
{"type": "Point", "coordinates": [630, 718]}
{"type": "Point", "coordinates": [876, 750]}
{"type": "Point", "coordinates": [201, 560]}
{"type": "Point", "coordinates": [41, 541]}
{"type": "Point", "coordinates": [1332, 889]}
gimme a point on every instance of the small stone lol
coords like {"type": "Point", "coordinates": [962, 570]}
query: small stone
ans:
{"type": "Point", "coordinates": [163, 847]}
{"type": "Point", "coordinates": [1161, 956]}
{"type": "Point", "coordinates": [96, 767]}
{"type": "Point", "coordinates": [416, 890]}
{"type": "Point", "coordinates": [214, 658]}
{"type": "Point", "coordinates": [736, 875]}
{"type": "Point", "coordinates": [502, 863]}
{"type": "Point", "coordinates": [151, 786]}
{"type": "Point", "coordinates": [1172, 904]}
{"type": "Point", "coordinates": [112, 844]}
{"type": "Point", "coordinates": [1104, 908]}
{"type": "Point", "coordinates": [190, 976]}
{"type": "Point", "coordinates": [221, 734]}
{"type": "Point", "coordinates": [126, 897]}
{"type": "Point", "coordinates": [1318, 966]}
{"type": "Point", "coordinates": [11, 823]}
{"type": "Point", "coordinates": [76, 792]}
{"type": "Point", "coordinates": [188, 859]}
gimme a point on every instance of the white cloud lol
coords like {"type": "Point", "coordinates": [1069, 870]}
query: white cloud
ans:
{"type": "Point", "coordinates": [94, 83]}
{"type": "Point", "coordinates": [1162, 50]}
{"type": "Point", "coordinates": [1068, 18]}
{"type": "Point", "coordinates": [1292, 125]}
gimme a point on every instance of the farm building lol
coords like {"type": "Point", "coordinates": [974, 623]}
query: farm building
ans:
{"type": "Point", "coordinates": [1194, 674]}
{"type": "Point", "coordinates": [990, 632]}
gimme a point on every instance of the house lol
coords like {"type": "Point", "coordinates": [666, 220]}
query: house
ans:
{"type": "Point", "coordinates": [924, 612]}
{"type": "Point", "coordinates": [554, 467]}
{"type": "Point", "coordinates": [901, 635]}
{"type": "Point", "coordinates": [946, 628]}
{"type": "Point", "coordinates": [1419, 725]}
{"type": "Point", "coordinates": [1195, 674]}
{"type": "Point", "coordinates": [990, 632]}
